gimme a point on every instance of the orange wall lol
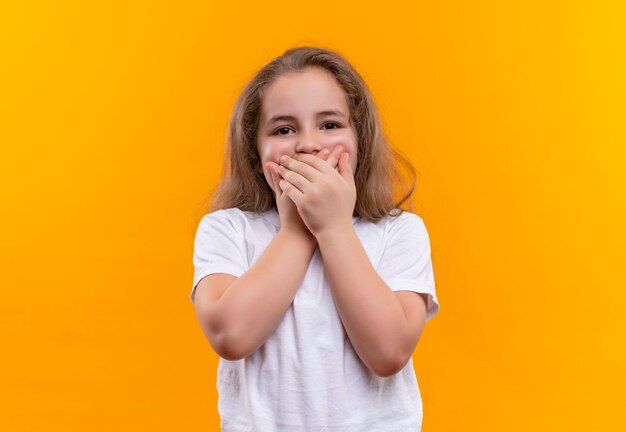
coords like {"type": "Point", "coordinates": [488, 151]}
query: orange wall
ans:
{"type": "Point", "coordinates": [113, 117]}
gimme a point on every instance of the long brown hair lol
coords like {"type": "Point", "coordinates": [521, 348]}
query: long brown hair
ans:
{"type": "Point", "coordinates": [380, 185]}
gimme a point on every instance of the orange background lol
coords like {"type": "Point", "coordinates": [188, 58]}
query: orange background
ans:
{"type": "Point", "coordinates": [113, 116]}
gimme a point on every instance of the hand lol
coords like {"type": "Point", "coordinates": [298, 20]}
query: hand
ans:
{"type": "Point", "coordinates": [290, 218]}
{"type": "Point", "coordinates": [324, 197]}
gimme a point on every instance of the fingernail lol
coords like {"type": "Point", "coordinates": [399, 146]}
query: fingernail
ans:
{"type": "Point", "coordinates": [339, 149]}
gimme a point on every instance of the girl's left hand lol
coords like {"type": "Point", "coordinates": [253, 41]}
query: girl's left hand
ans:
{"type": "Point", "coordinates": [325, 197]}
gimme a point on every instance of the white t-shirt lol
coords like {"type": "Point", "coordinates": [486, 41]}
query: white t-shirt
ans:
{"type": "Point", "coordinates": [307, 376]}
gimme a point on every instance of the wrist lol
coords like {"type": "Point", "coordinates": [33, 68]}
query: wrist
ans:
{"type": "Point", "coordinates": [299, 236]}
{"type": "Point", "coordinates": [334, 233]}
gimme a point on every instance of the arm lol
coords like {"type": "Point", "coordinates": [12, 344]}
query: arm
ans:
{"type": "Point", "coordinates": [238, 315]}
{"type": "Point", "coordinates": [383, 326]}
{"type": "Point", "coordinates": [241, 319]}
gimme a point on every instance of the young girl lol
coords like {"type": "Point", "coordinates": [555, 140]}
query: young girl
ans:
{"type": "Point", "coordinates": [310, 282]}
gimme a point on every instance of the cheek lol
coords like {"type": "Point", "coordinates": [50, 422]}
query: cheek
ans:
{"type": "Point", "coordinates": [353, 160]}
{"type": "Point", "coordinates": [349, 140]}
{"type": "Point", "coordinates": [346, 139]}
{"type": "Point", "coordinates": [272, 151]}
{"type": "Point", "coordinates": [353, 151]}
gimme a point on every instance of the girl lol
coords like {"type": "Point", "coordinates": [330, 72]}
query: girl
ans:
{"type": "Point", "coordinates": [310, 282]}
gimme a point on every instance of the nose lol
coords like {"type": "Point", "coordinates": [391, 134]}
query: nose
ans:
{"type": "Point", "coordinates": [308, 143]}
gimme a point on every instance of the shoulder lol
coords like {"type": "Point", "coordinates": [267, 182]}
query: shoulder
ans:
{"type": "Point", "coordinates": [407, 230]}
{"type": "Point", "coordinates": [235, 219]}
{"type": "Point", "coordinates": [403, 231]}
{"type": "Point", "coordinates": [406, 217]}
{"type": "Point", "coordinates": [405, 222]}
{"type": "Point", "coordinates": [228, 215]}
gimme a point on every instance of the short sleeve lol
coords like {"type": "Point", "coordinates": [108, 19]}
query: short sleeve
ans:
{"type": "Point", "coordinates": [406, 263]}
{"type": "Point", "coordinates": [219, 247]}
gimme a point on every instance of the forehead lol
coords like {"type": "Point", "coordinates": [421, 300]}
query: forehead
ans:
{"type": "Point", "coordinates": [310, 90]}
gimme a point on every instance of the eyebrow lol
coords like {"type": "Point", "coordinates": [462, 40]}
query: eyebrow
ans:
{"type": "Point", "coordinates": [282, 117]}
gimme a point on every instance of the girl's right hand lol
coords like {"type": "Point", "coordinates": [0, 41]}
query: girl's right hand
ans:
{"type": "Point", "coordinates": [290, 218]}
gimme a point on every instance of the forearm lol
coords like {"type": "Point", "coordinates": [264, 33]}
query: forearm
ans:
{"type": "Point", "coordinates": [255, 304]}
{"type": "Point", "coordinates": [370, 312]}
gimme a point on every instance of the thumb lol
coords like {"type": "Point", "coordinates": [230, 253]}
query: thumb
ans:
{"type": "Point", "coordinates": [344, 166]}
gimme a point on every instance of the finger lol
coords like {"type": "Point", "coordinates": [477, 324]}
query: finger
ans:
{"type": "Point", "coordinates": [304, 160]}
{"type": "Point", "coordinates": [272, 167]}
{"type": "Point", "coordinates": [323, 154]}
{"type": "Point", "coordinates": [345, 169]}
{"type": "Point", "coordinates": [305, 170]}
{"type": "Point", "coordinates": [293, 192]}
{"type": "Point", "coordinates": [294, 178]}
{"type": "Point", "coordinates": [333, 158]}
{"type": "Point", "coordinates": [274, 179]}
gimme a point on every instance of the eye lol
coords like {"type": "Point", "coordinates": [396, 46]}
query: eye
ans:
{"type": "Point", "coordinates": [281, 129]}
{"type": "Point", "coordinates": [334, 124]}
